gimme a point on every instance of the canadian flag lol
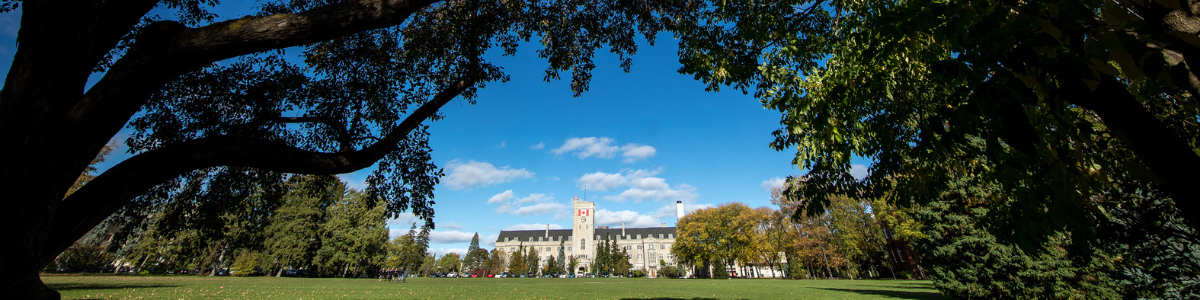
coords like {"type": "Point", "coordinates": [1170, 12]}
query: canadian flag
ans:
{"type": "Point", "coordinates": [583, 212]}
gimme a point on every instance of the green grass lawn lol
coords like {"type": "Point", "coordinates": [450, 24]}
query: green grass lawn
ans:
{"type": "Point", "coordinates": [203, 287]}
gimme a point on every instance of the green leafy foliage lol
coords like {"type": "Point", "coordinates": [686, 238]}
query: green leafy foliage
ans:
{"type": "Point", "coordinates": [352, 236]}
{"type": "Point", "coordinates": [84, 258]}
{"type": "Point", "coordinates": [247, 263]}
{"type": "Point", "coordinates": [1020, 93]}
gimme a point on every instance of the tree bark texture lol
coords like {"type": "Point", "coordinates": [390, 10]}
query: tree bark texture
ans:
{"type": "Point", "coordinates": [52, 127]}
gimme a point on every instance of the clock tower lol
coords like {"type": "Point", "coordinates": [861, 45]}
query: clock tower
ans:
{"type": "Point", "coordinates": [583, 231]}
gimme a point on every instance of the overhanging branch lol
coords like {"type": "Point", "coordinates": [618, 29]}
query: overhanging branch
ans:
{"type": "Point", "coordinates": [111, 190]}
{"type": "Point", "coordinates": [167, 49]}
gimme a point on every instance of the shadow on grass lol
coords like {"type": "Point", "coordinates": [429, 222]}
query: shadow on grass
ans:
{"type": "Point", "coordinates": [103, 286]}
{"type": "Point", "coordinates": [892, 294]}
{"type": "Point", "coordinates": [665, 298]}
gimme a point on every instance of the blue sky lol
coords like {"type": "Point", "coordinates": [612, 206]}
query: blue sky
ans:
{"type": "Point", "coordinates": [639, 141]}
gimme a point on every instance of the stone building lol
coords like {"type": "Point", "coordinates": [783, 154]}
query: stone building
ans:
{"type": "Point", "coordinates": [646, 246]}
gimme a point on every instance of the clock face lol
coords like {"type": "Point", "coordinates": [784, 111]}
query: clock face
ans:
{"type": "Point", "coordinates": [584, 219]}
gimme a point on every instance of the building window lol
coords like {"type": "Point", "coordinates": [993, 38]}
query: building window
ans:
{"type": "Point", "coordinates": [512, 249]}
{"type": "Point", "coordinates": [639, 247]}
{"type": "Point", "coordinates": [639, 236]}
{"type": "Point", "coordinates": [662, 246]}
{"type": "Point", "coordinates": [583, 243]}
{"type": "Point", "coordinates": [549, 248]}
{"type": "Point", "coordinates": [670, 235]}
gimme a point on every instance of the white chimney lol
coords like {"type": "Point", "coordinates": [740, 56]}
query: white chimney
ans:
{"type": "Point", "coordinates": [622, 228]}
{"type": "Point", "coordinates": [547, 231]}
{"type": "Point", "coordinates": [678, 209]}
{"type": "Point", "coordinates": [663, 225]}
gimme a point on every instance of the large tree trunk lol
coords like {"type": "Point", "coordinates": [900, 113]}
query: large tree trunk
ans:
{"type": "Point", "coordinates": [52, 127]}
{"type": "Point", "coordinates": [24, 286]}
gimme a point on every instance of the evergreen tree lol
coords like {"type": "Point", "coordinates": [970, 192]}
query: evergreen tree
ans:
{"type": "Point", "coordinates": [600, 264]}
{"type": "Point", "coordinates": [967, 261]}
{"type": "Point", "coordinates": [475, 256]}
{"type": "Point", "coordinates": [562, 256]}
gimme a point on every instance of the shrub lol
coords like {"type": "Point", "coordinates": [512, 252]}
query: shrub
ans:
{"type": "Point", "coordinates": [639, 273]}
{"type": "Point", "coordinates": [670, 272]}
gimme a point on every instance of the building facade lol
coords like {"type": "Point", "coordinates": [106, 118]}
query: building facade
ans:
{"type": "Point", "coordinates": [648, 248]}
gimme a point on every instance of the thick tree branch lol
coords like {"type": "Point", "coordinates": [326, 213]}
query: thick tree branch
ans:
{"type": "Point", "coordinates": [1162, 151]}
{"type": "Point", "coordinates": [116, 187]}
{"type": "Point", "coordinates": [165, 50]}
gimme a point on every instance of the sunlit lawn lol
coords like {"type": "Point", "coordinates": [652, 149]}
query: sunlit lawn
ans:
{"type": "Point", "coordinates": [203, 287]}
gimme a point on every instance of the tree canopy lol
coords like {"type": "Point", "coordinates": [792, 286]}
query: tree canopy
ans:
{"type": "Point", "coordinates": [208, 94]}
{"type": "Point", "coordinates": [1054, 104]}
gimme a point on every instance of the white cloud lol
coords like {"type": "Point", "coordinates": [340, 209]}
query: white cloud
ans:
{"type": "Point", "coordinates": [488, 241]}
{"type": "Point", "coordinates": [534, 226]}
{"type": "Point", "coordinates": [443, 251]}
{"type": "Point", "coordinates": [479, 174]}
{"type": "Point", "coordinates": [538, 209]}
{"type": "Point", "coordinates": [450, 236]}
{"type": "Point", "coordinates": [601, 181]}
{"type": "Point", "coordinates": [773, 183]}
{"type": "Point", "coordinates": [859, 171]}
{"type": "Point", "coordinates": [588, 147]}
{"type": "Point", "coordinates": [631, 219]}
{"type": "Point", "coordinates": [534, 198]}
{"type": "Point", "coordinates": [539, 145]}
{"type": "Point", "coordinates": [404, 220]}
{"type": "Point", "coordinates": [501, 197]}
{"type": "Point", "coordinates": [634, 152]}
{"type": "Point", "coordinates": [539, 204]}
{"type": "Point", "coordinates": [452, 225]}
{"type": "Point", "coordinates": [402, 223]}
{"type": "Point", "coordinates": [502, 144]}
{"type": "Point", "coordinates": [656, 189]}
